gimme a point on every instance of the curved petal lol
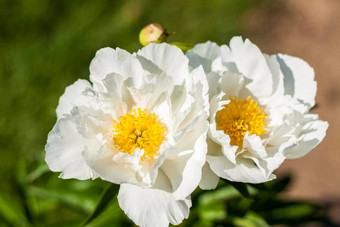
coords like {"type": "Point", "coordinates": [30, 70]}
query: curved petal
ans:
{"type": "Point", "coordinates": [169, 59]}
{"type": "Point", "coordinates": [209, 178]}
{"type": "Point", "coordinates": [223, 139]}
{"type": "Point", "coordinates": [72, 97]}
{"type": "Point", "coordinates": [181, 104]}
{"type": "Point", "coordinates": [108, 60]}
{"type": "Point", "coordinates": [198, 112]}
{"type": "Point", "coordinates": [213, 81]}
{"type": "Point", "coordinates": [276, 156]}
{"type": "Point", "coordinates": [184, 169]}
{"type": "Point", "coordinates": [253, 144]}
{"type": "Point", "coordinates": [278, 85]}
{"type": "Point", "coordinates": [149, 207]}
{"type": "Point", "coordinates": [312, 134]}
{"type": "Point", "coordinates": [231, 83]}
{"type": "Point", "coordinates": [298, 79]}
{"type": "Point", "coordinates": [245, 170]}
{"type": "Point", "coordinates": [203, 54]}
{"type": "Point", "coordinates": [117, 168]}
{"type": "Point", "coordinates": [63, 151]}
{"type": "Point", "coordinates": [252, 64]}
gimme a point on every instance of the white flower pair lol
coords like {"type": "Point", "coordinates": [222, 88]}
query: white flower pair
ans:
{"type": "Point", "coordinates": [150, 120]}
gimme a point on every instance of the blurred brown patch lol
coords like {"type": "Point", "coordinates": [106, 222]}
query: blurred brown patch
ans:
{"type": "Point", "coordinates": [309, 29]}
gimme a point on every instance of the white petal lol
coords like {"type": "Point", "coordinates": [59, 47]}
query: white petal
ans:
{"type": "Point", "coordinates": [117, 89]}
{"type": "Point", "coordinates": [91, 122]}
{"type": "Point", "coordinates": [312, 134]}
{"type": "Point", "coordinates": [181, 104]}
{"type": "Point", "coordinates": [209, 178]}
{"type": "Point", "coordinates": [214, 148]}
{"type": "Point", "coordinates": [224, 140]}
{"type": "Point", "coordinates": [213, 81]}
{"type": "Point", "coordinates": [72, 97]}
{"type": "Point", "coordinates": [260, 163]}
{"type": "Point", "coordinates": [201, 85]}
{"type": "Point", "coordinates": [231, 83]}
{"type": "Point", "coordinates": [169, 59]}
{"type": "Point", "coordinates": [126, 158]}
{"type": "Point", "coordinates": [253, 144]}
{"type": "Point", "coordinates": [281, 134]}
{"type": "Point", "coordinates": [284, 108]}
{"type": "Point", "coordinates": [298, 79]}
{"type": "Point", "coordinates": [114, 169]}
{"type": "Point", "coordinates": [184, 170]}
{"type": "Point", "coordinates": [216, 104]}
{"type": "Point", "coordinates": [199, 109]}
{"type": "Point", "coordinates": [218, 65]}
{"type": "Point", "coordinates": [278, 85]}
{"type": "Point", "coordinates": [252, 64]}
{"type": "Point", "coordinates": [149, 207]}
{"type": "Point", "coordinates": [203, 54]}
{"type": "Point", "coordinates": [276, 155]}
{"type": "Point", "coordinates": [245, 170]}
{"type": "Point", "coordinates": [148, 96]}
{"type": "Point", "coordinates": [108, 60]}
{"type": "Point", "coordinates": [63, 151]}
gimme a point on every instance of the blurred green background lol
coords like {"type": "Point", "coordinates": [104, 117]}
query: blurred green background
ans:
{"type": "Point", "coordinates": [47, 45]}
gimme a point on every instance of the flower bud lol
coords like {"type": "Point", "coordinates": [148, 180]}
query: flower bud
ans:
{"type": "Point", "coordinates": [152, 33]}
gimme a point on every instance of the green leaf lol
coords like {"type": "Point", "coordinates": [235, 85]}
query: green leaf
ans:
{"type": "Point", "coordinates": [11, 213]}
{"type": "Point", "coordinates": [38, 172]}
{"type": "Point", "coordinates": [279, 185]}
{"type": "Point", "coordinates": [70, 198]}
{"type": "Point", "coordinates": [241, 188]}
{"type": "Point", "coordinates": [106, 197]}
{"type": "Point", "coordinates": [218, 195]}
{"type": "Point", "coordinates": [293, 211]}
{"type": "Point", "coordinates": [19, 186]}
{"type": "Point", "coordinates": [251, 219]}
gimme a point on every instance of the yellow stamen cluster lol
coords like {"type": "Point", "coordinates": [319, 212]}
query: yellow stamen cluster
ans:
{"type": "Point", "coordinates": [139, 130]}
{"type": "Point", "coordinates": [238, 117]}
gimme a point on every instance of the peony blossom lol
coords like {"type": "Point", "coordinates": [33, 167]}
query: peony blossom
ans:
{"type": "Point", "coordinates": [259, 111]}
{"type": "Point", "coordinates": [141, 123]}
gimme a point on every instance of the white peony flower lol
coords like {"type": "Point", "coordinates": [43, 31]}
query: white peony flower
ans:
{"type": "Point", "coordinates": [141, 124]}
{"type": "Point", "coordinates": [258, 111]}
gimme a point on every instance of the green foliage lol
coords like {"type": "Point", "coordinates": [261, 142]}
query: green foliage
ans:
{"type": "Point", "coordinates": [262, 206]}
{"type": "Point", "coordinates": [241, 188]}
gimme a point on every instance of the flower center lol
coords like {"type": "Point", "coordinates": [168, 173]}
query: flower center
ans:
{"type": "Point", "coordinates": [238, 117]}
{"type": "Point", "coordinates": [139, 130]}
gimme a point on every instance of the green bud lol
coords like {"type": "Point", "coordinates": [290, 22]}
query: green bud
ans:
{"type": "Point", "coordinates": [152, 33]}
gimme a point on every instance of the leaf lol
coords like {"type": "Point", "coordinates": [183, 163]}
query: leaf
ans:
{"type": "Point", "coordinates": [220, 195]}
{"type": "Point", "coordinates": [293, 210]}
{"type": "Point", "coordinates": [279, 185]}
{"type": "Point", "coordinates": [38, 172]}
{"type": "Point", "coordinates": [70, 198]}
{"type": "Point", "coordinates": [106, 197]}
{"type": "Point", "coordinates": [251, 219]}
{"type": "Point", "coordinates": [10, 213]}
{"type": "Point", "coordinates": [241, 188]}
{"type": "Point", "coordinates": [19, 186]}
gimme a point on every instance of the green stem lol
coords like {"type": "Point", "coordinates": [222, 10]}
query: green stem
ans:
{"type": "Point", "coordinates": [109, 192]}
{"type": "Point", "coordinates": [183, 46]}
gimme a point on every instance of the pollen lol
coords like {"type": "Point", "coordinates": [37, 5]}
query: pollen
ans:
{"type": "Point", "coordinates": [139, 129]}
{"type": "Point", "coordinates": [239, 116]}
